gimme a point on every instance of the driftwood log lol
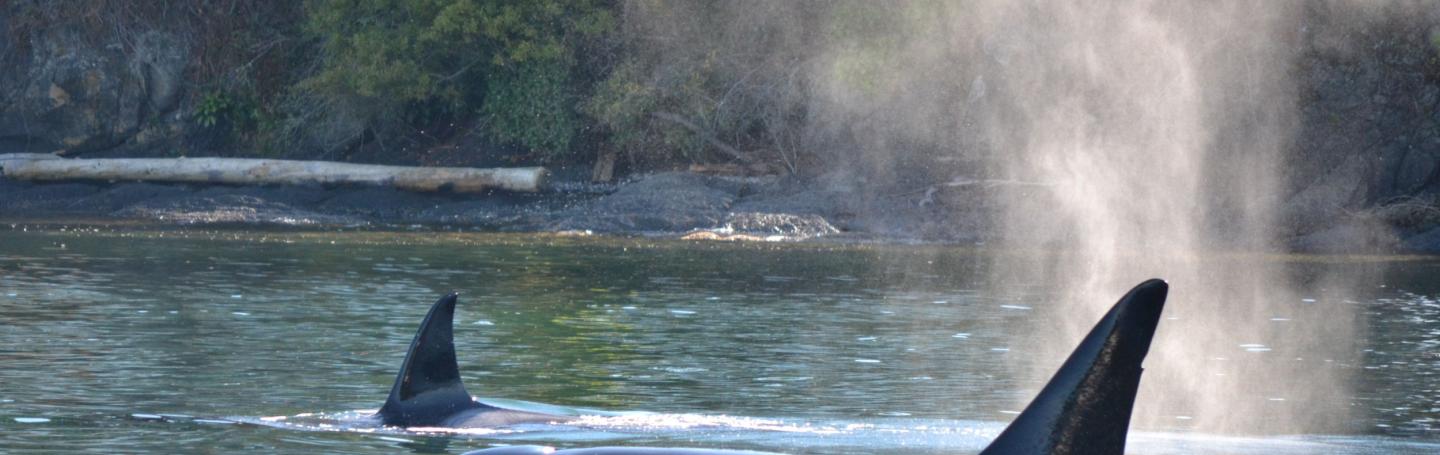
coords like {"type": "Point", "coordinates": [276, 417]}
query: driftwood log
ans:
{"type": "Point", "coordinates": [246, 171]}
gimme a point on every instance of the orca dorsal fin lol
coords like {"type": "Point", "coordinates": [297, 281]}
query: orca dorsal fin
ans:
{"type": "Point", "coordinates": [428, 389]}
{"type": "Point", "coordinates": [1086, 406]}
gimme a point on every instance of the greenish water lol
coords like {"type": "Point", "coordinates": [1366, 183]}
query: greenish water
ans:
{"type": "Point", "coordinates": [783, 347]}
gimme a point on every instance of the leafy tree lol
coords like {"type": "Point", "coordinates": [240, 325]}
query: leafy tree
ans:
{"type": "Point", "coordinates": [709, 80]}
{"type": "Point", "coordinates": [416, 61]}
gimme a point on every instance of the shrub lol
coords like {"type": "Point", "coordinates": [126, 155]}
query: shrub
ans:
{"type": "Point", "coordinates": [417, 61]}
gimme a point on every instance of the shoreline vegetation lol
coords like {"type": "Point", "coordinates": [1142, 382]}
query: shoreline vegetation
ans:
{"type": "Point", "coordinates": [717, 119]}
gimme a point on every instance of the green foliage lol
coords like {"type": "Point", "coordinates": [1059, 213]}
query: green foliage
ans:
{"type": "Point", "coordinates": [685, 80]}
{"type": "Point", "coordinates": [707, 81]}
{"type": "Point", "coordinates": [240, 118]}
{"type": "Point", "coordinates": [242, 113]}
{"type": "Point", "coordinates": [212, 108]}
{"type": "Point", "coordinates": [869, 38]}
{"type": "Point", "coordinates": [625, 104]}
{"type": "Point", "coordinates": [511, 61]}
{"type": "Point", "coordinates": [532, 105]}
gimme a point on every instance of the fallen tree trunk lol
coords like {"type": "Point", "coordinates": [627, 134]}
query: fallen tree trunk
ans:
{"type": "Point", "coordinates": [246, 171]}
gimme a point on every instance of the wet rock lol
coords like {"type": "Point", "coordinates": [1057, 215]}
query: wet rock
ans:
{"type": "Point", "coordinates": [491, 213]}
{"type": "Point", "coordinates": [53, 198]}
{"type": "Point", "coordinates": [385, 203]}
{"type": "Point", "coordinates": [803, 201]}
{"type": "Point", "coordinates": [722, 237]}
{"type": "Point", "coordinates": [8, 186]}
{"type": "Point", "coordinates": [666, 202]}
{"type": "Point", "coordinates": [243, 206]}
{"type": "Point", "coordinates": [790, 226]}
{"type": "Point", "coordinates": [123, 195]}
{"type": "Point", "coordinates": [836, 204]}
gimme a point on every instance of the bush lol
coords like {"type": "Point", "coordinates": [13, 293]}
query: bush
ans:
{"type": "Point", "coordinates": [706, 81]}
{"type": "Point", "coordinates": [421, 61]}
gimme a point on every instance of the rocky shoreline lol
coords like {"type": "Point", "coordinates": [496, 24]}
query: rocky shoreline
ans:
{"type": "Point", "coordinates": [665, 203]}
{"type": "Point", "coordinates": [668, 204]}
{"type": "Point", "coordinates": [1358, 158]}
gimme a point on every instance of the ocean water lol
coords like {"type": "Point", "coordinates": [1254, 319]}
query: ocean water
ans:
{"type": "Point", "coordinates": [141, 339]}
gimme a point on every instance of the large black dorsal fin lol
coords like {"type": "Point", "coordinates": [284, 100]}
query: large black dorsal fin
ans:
{"type": "Point", "coordinates": [1085, 409]}
{"type": "Point", "coordinates": [428, 389]}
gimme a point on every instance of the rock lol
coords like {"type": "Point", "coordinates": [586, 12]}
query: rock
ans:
{"type": "Point", "coordinates": [1409, 213]}
{"type": "Point", "coordinates": [790, 226]}
{"type": "Point", "coordinates": [490, 213]}
{"type": "Point", "coordinates": [716, 236]}
{"type": "Point", "coordinates": [50, 199]}
{"type": "Point", "coordinates": [799, 201]}
{"type": "Point", "coordinates": [9, 187]}
{"type": "Point", "coordinates": [380, 203]}
{"type": "Point", "coordinates": [833, 203]}
{"type": "Point", "coordinates": [123, 195]}
{"type": "Point", "coordinates": [244, 206]}
{"type": "Point", "coordinates": [73, 95]}
{"type": "Point", "coordinates": [1325, 198]}
{"type": "Point", "coordinates": [1427, 242]}
{"type": "Point", "coordinates": [1357, 235]}
{"type": "Point", "coordinates": [666, 202]}
{"type": "Point", "coordinates": [1366, 132]}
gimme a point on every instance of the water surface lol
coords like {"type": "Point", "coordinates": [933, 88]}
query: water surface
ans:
{"type": "Point", "coordinates": [145, 340]}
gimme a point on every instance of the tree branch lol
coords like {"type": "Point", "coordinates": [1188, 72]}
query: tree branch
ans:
{"type": "Point", "coordinates": [732, 151]}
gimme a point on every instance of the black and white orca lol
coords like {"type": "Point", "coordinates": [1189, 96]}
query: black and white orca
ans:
{"type": "Point", "coordinates": [1084, 409]}
{"type": "Point", "coordinates": [428, 391]}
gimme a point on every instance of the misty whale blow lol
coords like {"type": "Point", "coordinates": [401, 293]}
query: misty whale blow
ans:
{"type": "Point", "coordinates": [1084, 409]}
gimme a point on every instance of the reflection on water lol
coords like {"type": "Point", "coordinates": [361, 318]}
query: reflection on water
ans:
{"type": "Point", "coordinates": [799, 348]}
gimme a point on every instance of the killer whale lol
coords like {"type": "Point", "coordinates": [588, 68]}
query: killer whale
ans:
{"type": "Point", "coordinates": [428, 391]}
{"type": "Point", "coordinates": [1085, 408]}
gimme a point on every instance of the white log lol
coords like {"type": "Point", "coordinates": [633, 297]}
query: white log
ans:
{"type": "Point", "coordinates": [247, 171]}
{"type": "Point", "coordinates": [28, 156]}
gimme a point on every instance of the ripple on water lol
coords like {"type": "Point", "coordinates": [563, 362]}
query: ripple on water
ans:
{"type": "Point", "coordinates": [681, 370]}
{"type": "Point", "coordinates": [691, 421]}
{"type": "Point", "coordinates": [356, 323]}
